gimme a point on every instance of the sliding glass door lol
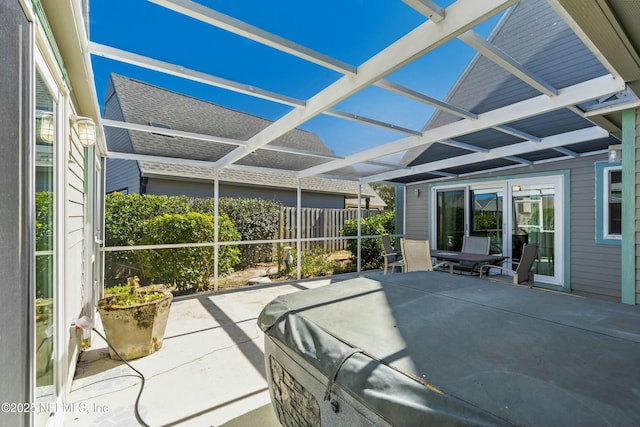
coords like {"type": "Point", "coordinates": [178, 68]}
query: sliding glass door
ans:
{"type": "Point", "coordinates": [510, 212]}
{"type": "Point", "coordinates": [534, 222]}
{"type": "Point", "coordinates": [485, 208]}
{"type": "Point", "coordinates": [450, 219]}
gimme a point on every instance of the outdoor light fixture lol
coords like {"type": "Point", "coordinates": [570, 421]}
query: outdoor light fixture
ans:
{"type": "Point", "coordinates": [86, 129]}
{"type": "Point", "coordinates": [516, 188]}
{"type": "Point", "coordinates": [615, 153]}
{"type": "Point", "coordinates": [416, 191]}
{"type": "Point", "coordinates": [47, 128]}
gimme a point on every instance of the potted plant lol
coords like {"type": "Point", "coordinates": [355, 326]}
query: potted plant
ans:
{"type": "Point", "coordinates": [134, 318]}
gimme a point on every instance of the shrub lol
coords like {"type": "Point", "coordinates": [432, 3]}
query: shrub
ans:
{"type": "Point", "coordinates": [315, 262]}
{"type": "Point", "coordinates": [255, 219]}
{"type": "Point", "coordinates": [187, 268]}
{"type": "Point", "coordinates": [125, 216]}
{"type": "Point", "coordinates": [371, 249]}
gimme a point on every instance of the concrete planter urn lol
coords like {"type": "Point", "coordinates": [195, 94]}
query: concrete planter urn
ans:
{"type": "Point", "coordinates": [135, 318]}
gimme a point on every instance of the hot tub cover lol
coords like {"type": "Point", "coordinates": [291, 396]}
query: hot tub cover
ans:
{"type": "Point", "coordinates": [434, 348]}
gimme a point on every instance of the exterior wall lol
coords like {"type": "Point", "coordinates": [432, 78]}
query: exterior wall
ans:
{"type": "Point", "coordinates": [170, 187]}
{"type": "Point", "coordinates": [122, 175]}
{"type": "Point", "coordinates": [78, 289]}
{"type": "Point", "coordinates": [637, 205]}
{"type": "Point", "coordinates": [595, 269]}
{"type": "Point", "coordinates": [16, 232]}
{"type": "Point", "coordinates": [417, 213]}
{"type": "Point", "coordinates": [399, 201]}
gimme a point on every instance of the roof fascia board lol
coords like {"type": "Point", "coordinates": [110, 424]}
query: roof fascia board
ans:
{"type": "Point", "coordinates": [235, 26]}
{"type": "Point", "coordinates": [500, 58]}
{"type": "Point", "coordinates": [461, 16]}
{"type": "Point", "coordinates": [582, 135]}
{"type": "Point", "coordinates": [540, 104]}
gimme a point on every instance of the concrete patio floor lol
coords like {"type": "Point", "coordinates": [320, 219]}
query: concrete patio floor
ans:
{"type": "Point", "coordinates": [209, 372]}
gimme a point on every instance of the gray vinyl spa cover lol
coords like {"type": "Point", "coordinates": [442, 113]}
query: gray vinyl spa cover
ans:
{"type": "Point", "coordinates": [432, 348]}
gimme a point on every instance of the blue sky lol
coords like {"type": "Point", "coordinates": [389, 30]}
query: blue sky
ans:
{"type": "Point", "coordinates": [349, 30]}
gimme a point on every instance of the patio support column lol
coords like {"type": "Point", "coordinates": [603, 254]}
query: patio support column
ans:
{"type": "Point", "coordinates": [299, 229]}
{"type": "Point", "coordinates": [629, 285]}
{"type": "Point", "coordinates": [359, 252]}
{"type": "Point", "coordinates": [404, 211]}
{"type": "Point", "coordinates": [216, 235]}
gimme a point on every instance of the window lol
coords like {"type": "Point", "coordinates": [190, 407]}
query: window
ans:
{"type": "Point", "coordinates": [608, 203]}
{"type": "Point", "coordinates": [613, 200]}
{"type": "Point", "coordinates": [161, 126]}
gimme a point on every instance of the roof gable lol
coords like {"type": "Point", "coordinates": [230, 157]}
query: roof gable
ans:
{"type": "Point", "coordinates": [536, 37]}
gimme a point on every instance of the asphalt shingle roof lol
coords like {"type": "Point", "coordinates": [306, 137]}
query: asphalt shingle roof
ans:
{"type": "Point", "coordinates": [142, 103]}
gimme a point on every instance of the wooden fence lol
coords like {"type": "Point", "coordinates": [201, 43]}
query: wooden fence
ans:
{"type": "Point", "coordinates": [319, 223]}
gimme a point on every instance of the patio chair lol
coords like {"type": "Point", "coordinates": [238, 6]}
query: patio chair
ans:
{"type": "Point", "coordinates": [473, 245]}
{"type": "Point", "coordinates": [391, 257]}
{"type": "Point", "coordinates": [417, 255]}
{"type": "Point", "coordinates": [525, 268]}
{"type": "Point", "coordinates": [476, 245]}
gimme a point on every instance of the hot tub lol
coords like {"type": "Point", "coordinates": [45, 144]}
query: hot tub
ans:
{"type": "Point", "coordinates": [430, 348]}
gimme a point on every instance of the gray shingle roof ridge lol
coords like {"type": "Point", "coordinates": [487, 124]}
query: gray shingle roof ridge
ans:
{"type": "Point", "coordinates": [156, 87]}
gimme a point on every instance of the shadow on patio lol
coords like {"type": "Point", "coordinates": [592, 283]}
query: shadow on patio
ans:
{"type": "Point", "coordinates": [210, 370]}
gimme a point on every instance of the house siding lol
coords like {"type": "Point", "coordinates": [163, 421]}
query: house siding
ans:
{"type": "Point", "coordinates": [171, 187]}
{"type": "Point", "coordinates": [417, 212]}
{"type": "Point", "coordinates": [122, 175]}
{"type": "Point", "coordinates": [78, 294]}
{"type": "Point", "coordinates": [595, 270]}
{"type": "Point", "coordinates": [637, 210]}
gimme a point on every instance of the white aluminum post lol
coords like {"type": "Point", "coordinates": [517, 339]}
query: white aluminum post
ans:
{"type": "Point", "coordinates": [404, 211]}
{"type": "Point", "coordinates": [216, 235]}
{"type": "Point", "coordinates": [299, 230]}
{"type": "Point", "coordinates": [359, 252]}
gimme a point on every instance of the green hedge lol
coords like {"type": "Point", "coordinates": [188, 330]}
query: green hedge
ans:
{"type": "Point", "coordinates": [371, 250]}
{"type": "Point", "coordinates": [255, 219]}
{"type": "Point", "coordinates": [125, 215]}
{"type": "Point", "coordinates": [132, 219]}
{"type": "Point", "coordinates": [188, 269]}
